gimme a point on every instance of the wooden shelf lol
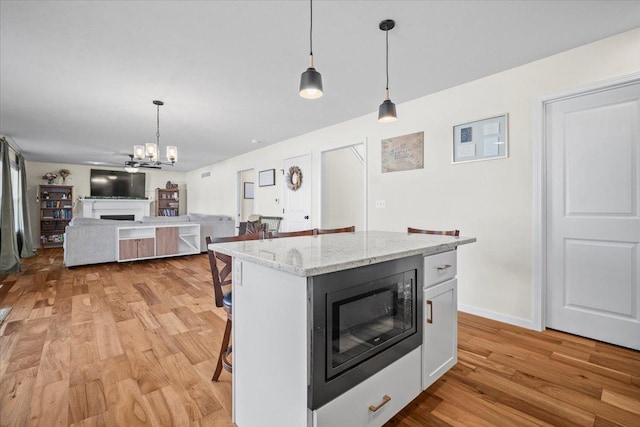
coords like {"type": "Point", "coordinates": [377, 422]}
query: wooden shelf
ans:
{"type": "Point", "coordinates": [167, 202]}
{"type": "Point", "coordinates": [56, 211]}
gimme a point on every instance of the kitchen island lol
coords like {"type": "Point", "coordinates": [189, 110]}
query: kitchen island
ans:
{"type": "Point", "coordinates": [328, 330]}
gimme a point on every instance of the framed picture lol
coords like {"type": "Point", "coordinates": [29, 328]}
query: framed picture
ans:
{"type": "Point", "coordinates": [402, 153]}
{"type": "Point", "coordinates": [484, 139]}
{"type": "Point", "coordinates": [267, 178]}
{"type": "Point", "coordinates": [248, 190]}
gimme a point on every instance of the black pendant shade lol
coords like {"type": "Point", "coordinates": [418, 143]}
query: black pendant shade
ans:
{"type": "Point", "coordinates": [311, 84]}
{"type": "Point", "coordinates": [387, 112]}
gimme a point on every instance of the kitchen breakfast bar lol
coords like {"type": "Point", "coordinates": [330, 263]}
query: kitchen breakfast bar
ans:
{"type": "Point", "coordinates": [340, 329]}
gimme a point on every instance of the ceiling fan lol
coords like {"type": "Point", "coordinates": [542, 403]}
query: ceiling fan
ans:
{"type": "Point", "coordinates": [135, 164]}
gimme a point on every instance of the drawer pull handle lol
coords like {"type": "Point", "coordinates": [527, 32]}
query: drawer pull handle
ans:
{"type": "Point", "coordinates": [385, 399]}
{"type": "Point", "coordinates": [443, 267]}
{"type": "Point", "coordinates": [430, 305]}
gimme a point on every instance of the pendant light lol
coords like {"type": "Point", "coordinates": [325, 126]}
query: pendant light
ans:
{"type": "Point", "coordinates": [387, 110]}
{"type": "Point", "coordinates": [311, 80]}
{"type": "Point", "coordinates": [150, 151]}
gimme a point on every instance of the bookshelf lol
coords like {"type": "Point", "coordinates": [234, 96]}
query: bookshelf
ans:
{"type": "Point", "coordinates": [56, 210]}
{"type": "Point", "coordinates": [167, 202]}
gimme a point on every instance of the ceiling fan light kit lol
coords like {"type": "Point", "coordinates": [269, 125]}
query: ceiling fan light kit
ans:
{"type": "Point", "coordinates": [311, 80]}
{"type": "Point", "coordinates": [146, 156]}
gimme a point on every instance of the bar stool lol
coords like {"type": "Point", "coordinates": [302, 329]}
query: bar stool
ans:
{"type": "Point", "coordinates": [222, 277]}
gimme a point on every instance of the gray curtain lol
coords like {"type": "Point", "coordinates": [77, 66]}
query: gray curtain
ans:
{"type": "Point", "coordinates": [27, 238]}
{"type": "Point", "coordinates": [9, 257]}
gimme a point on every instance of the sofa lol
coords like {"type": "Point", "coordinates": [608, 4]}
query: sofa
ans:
{"type": "Point", "coordinates": [93, 241]}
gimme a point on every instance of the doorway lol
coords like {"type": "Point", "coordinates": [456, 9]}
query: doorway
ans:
{"type": "Point", "coordinates": [343, 188]}
{"type": "Point", "coordinates": [590, 221]}
{"type": "Point", "coordinates": [245, 195]}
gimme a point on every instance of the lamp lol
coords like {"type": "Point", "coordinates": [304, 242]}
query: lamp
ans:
{"type": "Point", "coordinates": [138, 152]}
{"type": "Point", "coordinates": [387, 110]}
{"type": "Point", "coordinates": [172, 153]}
{"type": "Point", "coordinates": [147, 155]}
{"type": "Point", "coordinates": [311, 80]}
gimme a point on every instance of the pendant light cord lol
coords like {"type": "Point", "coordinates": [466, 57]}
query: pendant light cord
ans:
{"type": "Point", "coordinates": [311, 28]}
{"type": "Point", "coordinates": [158, 127]}
{"type": "Point", "coordinates": [387, 59]}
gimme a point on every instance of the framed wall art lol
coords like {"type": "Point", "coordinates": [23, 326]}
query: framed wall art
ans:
{"type": "Point", "coordinates": [248, 190]}
{"type": "Point", "coordinates": [267, 178]}
{"type": "Point", "coordinates": [484, 139]}
{"type": "Point", "coordinates": [403, 153]}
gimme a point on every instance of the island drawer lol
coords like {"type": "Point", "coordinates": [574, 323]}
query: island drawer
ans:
{"type": "Point", "coordinates": [375, 400]}
{"type": "Point", "coordinates": [439, 268]}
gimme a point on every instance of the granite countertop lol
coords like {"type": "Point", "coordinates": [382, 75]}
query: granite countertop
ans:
{"type": "Point", "coordinates": [313, 255]}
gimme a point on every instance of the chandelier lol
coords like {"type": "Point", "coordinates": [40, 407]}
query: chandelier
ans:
{"type": "Point", "coordinates": [146, 156]}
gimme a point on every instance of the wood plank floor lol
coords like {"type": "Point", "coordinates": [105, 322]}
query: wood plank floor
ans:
{"type": "Point", "coordinates": [135, 344]}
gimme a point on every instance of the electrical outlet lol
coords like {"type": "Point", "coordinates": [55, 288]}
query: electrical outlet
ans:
{"type": "Point", "coordinates": [381, 204]}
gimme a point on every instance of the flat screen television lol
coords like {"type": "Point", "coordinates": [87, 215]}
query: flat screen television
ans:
{"type": "Point", "coordinates": [117, 184]}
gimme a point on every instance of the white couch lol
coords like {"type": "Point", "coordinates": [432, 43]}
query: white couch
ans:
{"type": "Point", "coordinates": [93, 241]}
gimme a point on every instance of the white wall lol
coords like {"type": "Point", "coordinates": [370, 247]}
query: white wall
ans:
{"type": "Point", "coordinates": [342, 189]}
{"type": "Point", "coordinates": [79, 178]}
{"type": "Point", "coordinates": [491, 200]}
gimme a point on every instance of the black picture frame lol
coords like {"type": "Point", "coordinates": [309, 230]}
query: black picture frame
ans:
{"type": "Point", "coordinates": [267, 178]}
{"type": "Point", "coordinates": [248, 190]}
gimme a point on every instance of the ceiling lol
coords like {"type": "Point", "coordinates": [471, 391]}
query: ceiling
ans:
{"type": "Point", "coordinates": [77, 78]}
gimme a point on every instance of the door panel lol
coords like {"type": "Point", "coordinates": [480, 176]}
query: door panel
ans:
{"type": "Point", "coordinates": [167, 240]}
{"type": "Point", "coordinates": [600, 161]}
{"type": "Point", "coordinates": [590, 263]}
{"type": "Point", "coordinates": [128, 249]}
{"type": "Point", "coordinates": [297, 204]}
{"type": "Point", "coordinates": [440, 331]}
{"type": "Point", "coordinates": [146, 247]}
{"type": "Point", "coordinates": [593, 228]}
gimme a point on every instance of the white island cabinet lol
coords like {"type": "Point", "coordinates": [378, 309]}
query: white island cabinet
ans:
{"type": "Point", "coordinates": [274, 331]}
{"type": "Point", "coordinates": [440, 329]}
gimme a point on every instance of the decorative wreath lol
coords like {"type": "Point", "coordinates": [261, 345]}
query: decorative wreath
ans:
{"type": "Point", "coordinates": [294, 178]}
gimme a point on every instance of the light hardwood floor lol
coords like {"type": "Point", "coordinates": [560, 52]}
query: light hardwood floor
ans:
{"type": "Point", "coordinates": [135, 344]}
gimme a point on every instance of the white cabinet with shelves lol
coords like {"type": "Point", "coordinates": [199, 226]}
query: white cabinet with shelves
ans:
{"type": "Point", "coordinates": [157, 241]}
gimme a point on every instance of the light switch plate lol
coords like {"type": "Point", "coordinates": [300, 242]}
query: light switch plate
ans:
{"type": "Point", "coordinates": [381, 204]}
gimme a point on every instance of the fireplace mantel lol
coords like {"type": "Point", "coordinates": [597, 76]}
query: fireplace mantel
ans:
{"type": "Point", "coordinates": [95, 208]}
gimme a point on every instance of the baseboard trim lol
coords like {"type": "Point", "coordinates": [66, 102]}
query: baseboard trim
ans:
{"type": "Point", "coordinates": [500, 317]}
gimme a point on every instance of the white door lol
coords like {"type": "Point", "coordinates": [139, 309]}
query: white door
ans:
{"type": "Point", "coordinates": [593, 227]}
{"type": "Point", "coordinates": [297, 202]}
